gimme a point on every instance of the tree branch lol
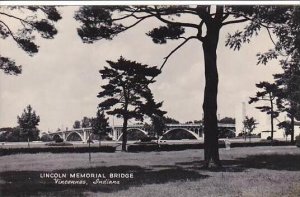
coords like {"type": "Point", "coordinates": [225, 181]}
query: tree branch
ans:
{"type": "Point", "coordinates": [271, 36]}
{"type": "Point", "coordinates": [234, 21]}
{"type": "Point", "coordinates": [269, 33]}
{"type": "Point", "coordinates": [199, 34]}
{"type": "Point", "coordinates": [158, 16]}
{"type": "Point", "coordinates": [248, 18]}
{"type": "Point", "coordinates": [174, 50]}
{"type": "Point", "coordinates": [10, 32]}
{"type": "Point", "coordinates": [165, 11]}
{"type": "Point", "coordinates": [20, 19]}
{"type": "Point", "coordinates": [137, 22]}
{"type": "Point", "coordinates": [225, 17]}
{"type": "Point", "coordinates": [176, 23]}
{"type": "Point", "coordinates": [264, 99]}
{"type": "Point", "coordinates": [127, 16]}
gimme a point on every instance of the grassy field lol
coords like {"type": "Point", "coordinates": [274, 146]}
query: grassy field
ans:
{"type": "Point", "coordinates": [251, 171]}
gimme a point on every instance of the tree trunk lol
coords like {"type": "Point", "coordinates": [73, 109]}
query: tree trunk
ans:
{"type": "Point", "coordinates": [272, 127]}
{"type": "Point", "coordinates": [211, 149]}
{"type": "Point", "coordinates": [272, 119]}
{"type": "Point", "coordinates": [28, 142]}
{"type": "Point", "coordinates": [292, 116]}
{"type": "Point", "coordinates": [124, 136]}
{"type": "Point", "coordinates": [292, 127]}
{"type": "Point", "coordinates": [89, 141]}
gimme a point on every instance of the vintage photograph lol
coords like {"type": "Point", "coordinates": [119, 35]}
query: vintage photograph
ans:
{"type": "Point", "coordinates": [141, 98]}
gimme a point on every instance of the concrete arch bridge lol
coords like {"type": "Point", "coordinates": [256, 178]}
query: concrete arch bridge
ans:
{"type": "Point", "coordinates": [115, 133]}
{"type": "Point", "coordinates": [82, 134]}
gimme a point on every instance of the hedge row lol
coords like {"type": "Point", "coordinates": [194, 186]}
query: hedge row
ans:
{"type": "Point", "coordinates": [9, 151]}
{"type": "Point", "coordinates": [178, 147]}
{"type": "Point", "coordinates": [166, 147]}
{"type": "Point", "coordinates": [266, 143]}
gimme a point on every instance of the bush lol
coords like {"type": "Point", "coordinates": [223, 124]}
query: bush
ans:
{"type": "Point", "coordinates": [146, 147]}
{"type": "Point", "coordinates": [142, 147]}
{"type": "Point", "coordinates": [259, 135]}
{"type": "Point", "coordinates": [9, 151]}
{"type": "Point", "coordinates": [261, 143]}
{"type": "Point", "coordinates": [269, 138]}
{"type": "Point", "coordinates": [240, 134]}
{"type": "Point", "coordinates": [165, 147]}
{"type": "Point", "coordinates": [90, 141]}
{"type": "Point", "coordinates": [59, 144]}
{"type": "Point", "coordinates": [298, 141]}
{"type": "Point", "coordinates": [46, 138]}
{"type": "Point", "coordinates": [147, 139]}
{"type": "Point", "coordinates": [106, 138]}
{"type": "Point", "coordinates": [58, 140]}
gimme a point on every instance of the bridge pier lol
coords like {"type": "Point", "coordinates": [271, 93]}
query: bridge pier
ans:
{"type": "Point", "coordinates": [114, 134]}
{"type": "Point", "coordinates": [84, 135]}
{"type": "Point", "coordinates": [64, 136]}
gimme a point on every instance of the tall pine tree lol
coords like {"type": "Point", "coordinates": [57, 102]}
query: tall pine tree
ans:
{"type": "Point", "coordinates": [269, 94]}
{"type": "Point", "coordinates": [127, 93]}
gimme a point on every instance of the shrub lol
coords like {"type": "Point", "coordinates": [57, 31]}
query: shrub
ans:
{"type": "Point", "coordinates": [146, 139]}
{"type": "Point", "coordinates": [298, 141]}
{"type": "Point", "coordinates": [90, 141]}
{"type": "Point", "coordinates": [146, 147]}
{"type": "Point", "coordinates": [240, 134]}
{"type": "Point", "coordinates": [269, 138]}
{"type": "Point", "coordinates": [9, 151]}
{"type": "Point", "coordinates": [58, 140]}
{"type": "Point", "coordinates": [142, 147]}
{"type": "Point", "coordinates": [59, 144]}
{"type": "Point", "coordinates": [106, 138]}
{"type": "Point", "coordinates": [259, 135]}
{"type": "Point", "coordinates": [46, 138]}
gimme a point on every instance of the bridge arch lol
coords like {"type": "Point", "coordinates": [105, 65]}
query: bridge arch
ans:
{"type": "Point", "coordinates": [74, 136]}
{"type": "Point", "coordinates": [226, 132]}
{"type": "Point", "coordinates": [179, 134]}
{"type": "Point", "coordinates": [56, 136]}
{"type": "Point", "coordinates": [134, 134]}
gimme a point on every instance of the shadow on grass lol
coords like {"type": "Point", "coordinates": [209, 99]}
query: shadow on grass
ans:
{"type": "Point", "coordinates": [29, 183]}
{"type": "Point", "coordinates": [265, 161]}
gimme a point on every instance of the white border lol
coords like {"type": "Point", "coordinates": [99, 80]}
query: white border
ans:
{"type": "Point", "coordinates": [124, 2]}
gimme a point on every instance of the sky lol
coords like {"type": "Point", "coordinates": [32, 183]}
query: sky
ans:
{"type": "Point", "coordinates": [61, 82]}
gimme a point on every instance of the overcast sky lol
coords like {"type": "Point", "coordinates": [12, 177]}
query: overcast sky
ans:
{"type": "Point", "coordinates": [61, 81]}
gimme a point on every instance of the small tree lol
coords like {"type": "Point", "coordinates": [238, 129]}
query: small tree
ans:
{"type": "Point", "coordinates": [86, 122]}
{"type": "Point", "coordinates": [128, 92]}
{"type": "Point", "coordinates": [288, 128]}
{"type": "Point", "coordinates": [269, 94]}
{"type": "Point", "coordinates": [99, 125]}
{"type": "Point", "coordinates": [158, 125]}
{"type": "Point", "coordinates": [249, 126]}
{"type": "Point", "coordinates": [76, 124]}
{"type": "Point", "coordinates": [28, 122]}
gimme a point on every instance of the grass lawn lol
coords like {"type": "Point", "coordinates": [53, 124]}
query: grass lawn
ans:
{"type": "Point", "coordinates": [251, 171]}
